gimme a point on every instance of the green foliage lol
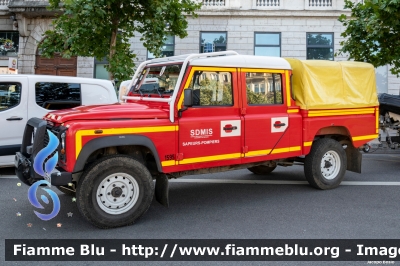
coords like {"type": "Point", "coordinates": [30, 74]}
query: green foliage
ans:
{"type": "Point", "coordinates": [261, 98]}
{"type": "Point", "coordinates": [213, 92]}
{"type": "Point", "coordinates": [255, 98]}
{"type": "Point", "coordinates": [87, 27]}
{"type": "Point", "coordinates": [373, 32]}
{"type": "Point", "coordinates": [319, 52]}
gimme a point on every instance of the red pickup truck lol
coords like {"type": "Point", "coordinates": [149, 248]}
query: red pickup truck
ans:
{"type": "Point", "coordinates": [207, 113]}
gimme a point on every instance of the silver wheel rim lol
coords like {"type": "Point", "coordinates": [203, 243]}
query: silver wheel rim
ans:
{"type": "Point", "coordinates": [330, 165]}
{"type": "Point", "coordinates": [117, 193]}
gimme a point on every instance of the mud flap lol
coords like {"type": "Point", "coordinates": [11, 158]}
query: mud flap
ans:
{"type": "Point", "coordinates": [162, 190]}
{"type": "Point", "coordinates": [354, 158]}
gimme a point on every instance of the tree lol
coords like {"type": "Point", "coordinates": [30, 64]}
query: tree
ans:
{"type": "Point", "coordinates": [373, 32]}
{"type": "Point", "coordinates": [102, 29]}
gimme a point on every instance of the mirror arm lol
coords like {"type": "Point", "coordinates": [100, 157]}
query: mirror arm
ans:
{"type": "Point", "coordinates": [180, 111]}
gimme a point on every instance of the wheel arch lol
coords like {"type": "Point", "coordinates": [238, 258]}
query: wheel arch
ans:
{"type": "Point", "coordinates": [115, 141]}
{"type": "Point", "coordinates": [334, 130]}
{"type": "Point", "coordinates": [343, 136]}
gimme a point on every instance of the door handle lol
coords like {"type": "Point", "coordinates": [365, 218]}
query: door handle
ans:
{"type": "Point", "coordinates": [279, 125]}
{"type": "Point", "coordinates": [230, 128]}
{"type": "Point", "coordinates": [13, 118]}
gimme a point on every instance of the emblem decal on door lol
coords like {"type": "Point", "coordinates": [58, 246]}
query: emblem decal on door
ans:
{"type": "Point", "coordinates": [279, 124]}
{"type": "Point", "coordinates": [201, 133]}
{"type": "Point", "coordinates": [230, 128]}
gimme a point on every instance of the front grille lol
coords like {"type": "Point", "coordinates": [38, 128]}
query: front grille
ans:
{"type": "Point", "coordinates": [56, 131]}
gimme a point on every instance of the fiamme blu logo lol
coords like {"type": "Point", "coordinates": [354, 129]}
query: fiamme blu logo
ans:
{"type": "Point", "coordinates": [44, 164]}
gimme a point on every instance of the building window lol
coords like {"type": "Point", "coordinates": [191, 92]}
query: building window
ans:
{"type": "Point", "coordinates": [320, 46]}
{"type": "Point", "coordinates": [100, 72]}
{"type": "Point", "coordinates": [167, 50]}
{"type": "Point", "coordinates": [264, 88]}
{"type": "Point", "coordinates": [212, 42]}
{"type": "Point", "coordinates": [9, 42]}
{"type": "Point", "coordinates": [267, 43]}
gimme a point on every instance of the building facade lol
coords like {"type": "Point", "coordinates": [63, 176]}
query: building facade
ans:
{"type": "Point", "coordinates": [304, 29]}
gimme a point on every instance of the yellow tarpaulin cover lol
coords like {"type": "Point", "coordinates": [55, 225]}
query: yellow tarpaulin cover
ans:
{"type": "Point", "coordinates": [320, 84]}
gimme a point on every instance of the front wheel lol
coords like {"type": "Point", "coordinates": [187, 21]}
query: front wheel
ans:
{"type": "Point", "coordinates": [114, 191]}
{"type": "Point", "coordinates": [326, 164]}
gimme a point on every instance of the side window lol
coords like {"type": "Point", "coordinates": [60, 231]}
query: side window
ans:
{"type": "Point", "coordinates": [10, 95]}
{"type": "Point", "coordinates": [212, 88]}
{"type": "Point", "coordinates": [56, 96]}
{"type": "Point", "coordinates": [264, 88]}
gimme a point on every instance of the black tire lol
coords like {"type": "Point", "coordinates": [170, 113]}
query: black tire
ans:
{"type": "Point", "coordinates": [261, 169]}
{"type": "Point", "coordinates": [66, 191]}
{"type": "Point", "coordinates": [330, 153]}
{"type": "Point", "coordinates": [125, 188]}
{"type": "Point", "coordinates": [366, 148]}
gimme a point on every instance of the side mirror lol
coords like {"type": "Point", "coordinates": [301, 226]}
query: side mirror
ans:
{"type": "Point", "coordinates": [188, 97]}
{"type": "Point", "coordinates": [187, 101]}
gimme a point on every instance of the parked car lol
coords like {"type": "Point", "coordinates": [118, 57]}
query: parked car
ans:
{"type": "Point", "coordinates": [26, 96]}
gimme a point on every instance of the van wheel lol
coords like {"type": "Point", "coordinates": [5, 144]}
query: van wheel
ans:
{"type": "Point", "coordinates": [115, 191]}
{"type": "Point", "coordinates": [326, 164]}
{"type": "Point", "coordinates": [261, 169]}
{"type": "Point", "coordinates": [66, 190]}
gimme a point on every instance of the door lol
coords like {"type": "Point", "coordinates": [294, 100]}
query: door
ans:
{"type": "Point", "coordinates": [13, 116]}
{"type": "Point", "coordinates": [210, 131]}
{"type": "Point", "coordinates": [57, 66]}
{"type": "Point", "coordinates": [266, 117]}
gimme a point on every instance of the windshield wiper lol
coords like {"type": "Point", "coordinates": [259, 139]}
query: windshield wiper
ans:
{"type": "Point", "coordinates": [159, 93]}
{"type": "Point", "coordinates": [141, 93]}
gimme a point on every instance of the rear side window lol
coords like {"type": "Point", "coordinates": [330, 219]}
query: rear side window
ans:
{"type": "Point", "coordinates": [264, 88]}
{"type": "Point", "coordinates": [10, 95]}
{"type": "Point", "coordinates": [212, 88]}
{"type": "Point", "coordinates": [56, 96]}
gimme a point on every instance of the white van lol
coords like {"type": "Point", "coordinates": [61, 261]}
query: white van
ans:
{"type": "Point", "coordinates": [26, 96]}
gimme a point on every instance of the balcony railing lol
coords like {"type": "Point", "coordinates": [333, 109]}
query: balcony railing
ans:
{"type": "Point", "coordinates": [213, 2]}
{"type": "Point", "coordinates": [4, 2]}
{"type": "Point", "coordinates": [319, 3]}
{"type": "Point", "coordinates": [268, 3]}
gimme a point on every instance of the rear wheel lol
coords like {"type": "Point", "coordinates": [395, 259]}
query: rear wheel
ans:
{"type": "Point", "coordinates": [261, 169]}
{"type": "Point", "coordinates": [326, 164]}
{"type": "Point", "coordinates": [115, 191]}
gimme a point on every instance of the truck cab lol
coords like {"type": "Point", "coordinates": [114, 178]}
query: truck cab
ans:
{"type": "Point", "coordinates": [209, 113]}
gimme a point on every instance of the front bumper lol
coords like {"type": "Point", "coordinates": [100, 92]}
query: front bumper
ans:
{"type": "Point", "coordinates": [35, 130]}
{"type": "Point", "coordinates": [25, 173]}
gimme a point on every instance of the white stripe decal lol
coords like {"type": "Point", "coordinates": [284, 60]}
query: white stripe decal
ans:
{"type": "Point", "coordinates": [8, 176]}
{"type": "Point", "coordinates": [264, 182]}
{"type": "Point", "coordinates": [280, 182]}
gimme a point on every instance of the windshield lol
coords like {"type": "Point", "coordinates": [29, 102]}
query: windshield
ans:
{"type": "Point", "coordinates": [159, 80]}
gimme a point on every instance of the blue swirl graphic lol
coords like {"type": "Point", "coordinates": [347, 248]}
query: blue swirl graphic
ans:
{"type": "Point", "coordinates": [45, 171]}
{"type": "Point", "coordinates": [44, 153]}
{"type": "Point", "coordinates": [33, 200]}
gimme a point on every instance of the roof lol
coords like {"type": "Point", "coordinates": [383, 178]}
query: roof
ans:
{"type": "Point", "coordinates": [53, 78]}
{"type": "Point", "coordinates": [244, 61]}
